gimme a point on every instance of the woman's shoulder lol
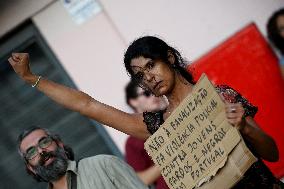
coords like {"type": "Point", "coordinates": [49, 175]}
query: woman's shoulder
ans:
{"type": "Point", "coordinates": [153, 120]}
{"type": "Point", "coordinates": [233, 96]}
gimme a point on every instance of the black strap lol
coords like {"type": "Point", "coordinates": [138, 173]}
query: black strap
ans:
{"type": "Point", "coordinates": [74, 178]}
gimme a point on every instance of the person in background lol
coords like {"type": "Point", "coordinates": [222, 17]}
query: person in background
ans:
{"type": "Point", "coordinates": [275, 32]}
{"type": "Point", "coordinates": [48, 159]}
{"type": "Point", "coordinates": [140, 101]}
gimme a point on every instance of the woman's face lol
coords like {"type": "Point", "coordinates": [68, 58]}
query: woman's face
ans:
{"type": "Point", "coordinates": [155, 75]}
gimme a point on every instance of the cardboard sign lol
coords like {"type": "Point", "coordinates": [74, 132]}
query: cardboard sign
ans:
{"type": "Point", "coordinates": [195, 141]}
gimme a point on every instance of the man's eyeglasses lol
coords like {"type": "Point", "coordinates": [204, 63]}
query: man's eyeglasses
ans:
{"type": "Point", "coordinates": [43, 143]}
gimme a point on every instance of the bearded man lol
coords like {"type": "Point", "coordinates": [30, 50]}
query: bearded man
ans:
{"type": "Point", "coordinates": [47, 159]}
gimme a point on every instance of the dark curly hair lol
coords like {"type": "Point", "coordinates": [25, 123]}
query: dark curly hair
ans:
{"type": "Point", "coordinates": [156, 49]}
{"type": "Point", "coordinates": [273, 31]}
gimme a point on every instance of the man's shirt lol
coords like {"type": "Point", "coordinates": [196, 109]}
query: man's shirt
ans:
{"type": "Point", "coordinates": [103, 172]}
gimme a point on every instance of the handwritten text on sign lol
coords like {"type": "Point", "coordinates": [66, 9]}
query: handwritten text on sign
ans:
{"type": "Point", "coordinates": [195, 140]}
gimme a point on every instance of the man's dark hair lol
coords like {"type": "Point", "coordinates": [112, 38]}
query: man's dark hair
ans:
{"type": "Point", "coordinates": [131, 92]}
{"type": "Point", "coordinates": [68, 150]}
{"type": "Point", "coordinates": [273, 31]}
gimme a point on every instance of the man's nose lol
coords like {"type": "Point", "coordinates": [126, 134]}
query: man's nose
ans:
{"type": "Point", "coordinates": [40, 150]}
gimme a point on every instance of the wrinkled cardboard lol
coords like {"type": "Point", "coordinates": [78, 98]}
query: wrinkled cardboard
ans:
{"type": "Point", "coordinates": [196, 146]}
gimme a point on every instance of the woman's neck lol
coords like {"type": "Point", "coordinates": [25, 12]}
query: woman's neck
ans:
{"type": "Point", "coordinates": [181, 90]}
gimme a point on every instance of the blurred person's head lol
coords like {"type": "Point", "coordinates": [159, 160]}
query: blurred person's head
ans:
{"type": "Point", "coordinates": [141, 100]}
{"type": "Point", "coordinates": [275, 30]}
{"type": "Point", "coordinates": [45, 155]}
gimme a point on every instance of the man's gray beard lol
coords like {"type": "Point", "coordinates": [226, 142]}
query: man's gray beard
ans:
{"type": "Point", "coordinates": [56, 169]}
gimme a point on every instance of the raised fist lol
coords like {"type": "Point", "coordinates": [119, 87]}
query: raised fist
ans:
{"type": "Point", "coordinates": [20, 64]}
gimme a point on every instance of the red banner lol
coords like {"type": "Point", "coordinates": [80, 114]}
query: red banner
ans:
{"type": "Point", "coordinates": [246, 62]}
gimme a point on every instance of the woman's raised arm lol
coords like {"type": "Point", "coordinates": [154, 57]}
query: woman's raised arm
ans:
{"type": "Point", "coordinates": [79, 101]}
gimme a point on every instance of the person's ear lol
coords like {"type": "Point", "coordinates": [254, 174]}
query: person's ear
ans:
{"type": "Point", "coordinates": [171, 57]}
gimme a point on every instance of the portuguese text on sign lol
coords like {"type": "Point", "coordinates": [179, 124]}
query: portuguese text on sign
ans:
{"type": "Point", "coordinates": [194, 142]}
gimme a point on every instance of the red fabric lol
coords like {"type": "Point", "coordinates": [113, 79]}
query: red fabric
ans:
{"type": "Point", "coordinates": [246, 62]}
{"type": "Point", "coordinates": [137, 157]}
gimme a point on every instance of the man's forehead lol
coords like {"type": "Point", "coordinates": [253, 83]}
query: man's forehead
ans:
{"type": "Point", "coordinates": [32, 138]}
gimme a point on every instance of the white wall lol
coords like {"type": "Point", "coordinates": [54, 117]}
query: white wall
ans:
{"type": "Point", "coordinates": [194, 26]}
{"type": "Point", "coordinates": [91, 53]}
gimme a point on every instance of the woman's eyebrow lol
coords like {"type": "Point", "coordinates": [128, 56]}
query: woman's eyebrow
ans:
{"type": "Point", "coordinates": [136, 67]}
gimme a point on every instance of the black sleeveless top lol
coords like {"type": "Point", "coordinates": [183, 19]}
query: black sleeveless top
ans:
{"type": "Point", "coordinates": [258, 175]}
